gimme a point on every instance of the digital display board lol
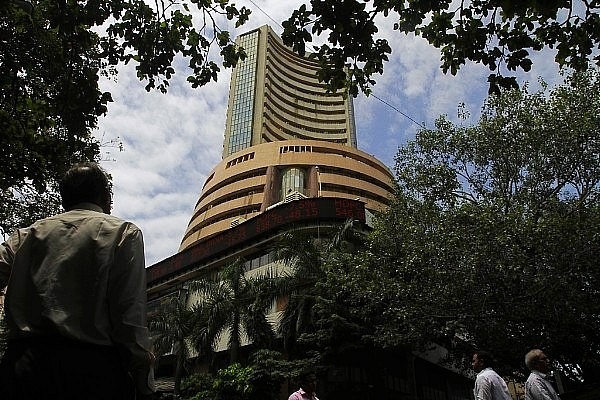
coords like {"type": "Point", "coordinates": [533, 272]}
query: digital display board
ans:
{"type": "Point", "coordinates": [321, 208]}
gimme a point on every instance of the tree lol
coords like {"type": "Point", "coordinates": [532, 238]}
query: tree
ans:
{"type": "Point", "coordinates": [332, 330]}
{"type": "Point", "coordinates": [233, 302]}
{"type": "Point", "coordinates": [52, 56]}
{"type": "Point", "coordinates": [233, 382]}
{"type": "Point", "coordinates": [269, 370]}
{"type": "Point", "coordinates": [198, 386]}
{"type": "Point", "coordinates": [49, 97]}
{"type": "Point", "coordinates": [499, 34]}
{"type": "Point", "coordinates": [304, 256]}
{"type": "Point", "coordinates": [173, 328]}
{"type": "Point", "coordinates": [24, 205]}
{"type": "Point", "coordinates": [261, 379]}
{"type": "Point", "coordinates": [491, 240]}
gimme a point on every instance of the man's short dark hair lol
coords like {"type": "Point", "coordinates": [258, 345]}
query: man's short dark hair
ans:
{"type": "Point", "coordinates": [306, 376]}
{"type": "Point", "coordinates": [486, 357]}
{"type": "Point", "coordinates": [84, 183]}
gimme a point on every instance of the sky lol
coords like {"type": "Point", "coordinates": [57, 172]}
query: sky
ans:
{"type": "Point", "coordinates": [171, 142]}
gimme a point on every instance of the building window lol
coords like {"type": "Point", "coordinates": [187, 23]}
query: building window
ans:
{"type": "Point", "coordinates": [245, 157]}
{"type": "Point", "coordinates": [293, 180]}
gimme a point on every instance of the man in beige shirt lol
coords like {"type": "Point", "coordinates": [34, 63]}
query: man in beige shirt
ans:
{"type": "Point", "coordinates": [76, 300]}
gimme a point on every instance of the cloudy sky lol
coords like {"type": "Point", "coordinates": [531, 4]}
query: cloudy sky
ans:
{"type": "Point", "coordinates": [172, 141]}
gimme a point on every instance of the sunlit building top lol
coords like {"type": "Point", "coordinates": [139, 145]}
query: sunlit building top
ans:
{"type": "Point", "coordinates": [275, 95]}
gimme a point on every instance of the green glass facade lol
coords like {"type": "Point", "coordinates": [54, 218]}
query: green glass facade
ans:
{"type": "Point", "coordinates": [242, 111]}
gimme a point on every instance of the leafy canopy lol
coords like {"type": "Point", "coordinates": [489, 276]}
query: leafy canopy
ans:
{"type": "Point", "coordinates": [52, 54]}
{"type": "Point", "coordinates": [233, 303]}
{"type": "Point", "coordinates": [491, 238]}
{"type": "Point", "coordinates": [501, 35]}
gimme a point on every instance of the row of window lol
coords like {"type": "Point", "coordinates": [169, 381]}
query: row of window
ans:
{"type": "Point", "coordinates": [247, 210]}
{"type": "Point", "coordinates": [292, 57]}
{"type": "Point", "coordinates": [311, 89]}
{"type": "Point", "coordinates": [295, 149]}
{"type": "Point", "coordinates": [236, 178]}
{"type": "Point", "coordinates": [260, 261]}
{"type": "Point", "coordinates": [364, 160]}
{"type": "Point", "coordinates": [245, 157]}
{"type": "Point", "coordinates": [363, 194]}
{"type": "Point", "coordinates": [357, 175]}
{"type": "Point", "coordinates": [319, 114]}
{"type": "Point", "coordinates": [286, 74]}
{"type": "Point", "coordinates": [222, 200]}
{"type": "Point", "coordinates": [287, 126]}
{"type": "Point", "coordinates": [309, 103]}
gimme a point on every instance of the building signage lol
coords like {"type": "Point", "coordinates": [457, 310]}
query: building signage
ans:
{"type": "Point", "coordinates": [322, 208]}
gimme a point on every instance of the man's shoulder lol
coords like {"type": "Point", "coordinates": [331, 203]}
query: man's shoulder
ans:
{"type": "Point", "coordinates": [295, 396]}
{"type": "Point", "coordinates": [127, 228]}
{"type": "Point", "coordinates": [487, 373]}
{"type": "Point", "coordinates": [534, 376]}
{"type": "Point", "coordinates": [118, 220]}
{"type": "Point", "coordinates": [91, 219]}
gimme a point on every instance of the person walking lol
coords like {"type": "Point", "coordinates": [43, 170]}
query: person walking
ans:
{"type": "Point", "coordinates": [537, 386]}
{"type": "Point", "coordinates": [75, 300]}
{"type": "Point", "coordinates": [488, 384]}
{"type": "Point", "coordinates": [308, 385]}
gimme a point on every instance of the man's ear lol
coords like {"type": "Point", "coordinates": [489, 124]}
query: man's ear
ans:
{"type": "Point", "coordinates": [106, 201]}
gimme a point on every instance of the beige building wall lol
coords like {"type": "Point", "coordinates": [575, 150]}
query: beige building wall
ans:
{"type": "Point", "coordinates": [248, 182]}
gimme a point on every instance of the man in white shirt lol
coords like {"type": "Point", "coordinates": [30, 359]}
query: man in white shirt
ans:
{"type": "Point", "coordinates": [488, 384]}
{"type": "Point", "coordinates": [538, 387]}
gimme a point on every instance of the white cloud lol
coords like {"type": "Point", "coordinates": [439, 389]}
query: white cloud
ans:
{"type": "Point", "coordinates": [170, 143]}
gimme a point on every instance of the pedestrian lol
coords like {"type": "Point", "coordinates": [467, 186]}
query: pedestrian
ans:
{"type": "Point", "coordinates": [488, 384]}
{"type": "Point", "coordinates": [308, 385]}
{"type": "Point", "coordinates": [538, 387]}
{"type": "Point", "coordinates": [75, 302]}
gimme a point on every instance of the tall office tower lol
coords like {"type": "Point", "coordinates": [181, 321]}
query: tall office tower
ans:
{"type": "Point", "coordinates": [286, 138]}
{"type": "Point", "coordinates": [289, 158]}
{"type": "Point", "coordinates": [275, 95]}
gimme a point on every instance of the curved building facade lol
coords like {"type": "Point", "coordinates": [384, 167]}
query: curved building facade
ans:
{"type": "Point", "coordinates": [285, 138]}
{"type": "Point", "coordinates": [275, 95]}
{"type": "Point", "coordinates": [290, 161]}
{"type": "Point", "coordinates": [248, 182]}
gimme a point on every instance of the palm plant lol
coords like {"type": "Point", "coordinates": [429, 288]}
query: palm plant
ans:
{"type": "Point", "coordinates": [172, 328]}
{"type": "Point", "coordinates": [233, 302]}
{"type": "Point", "coordinates": [299, 253]}
{"type": "Point", "coordinates": [304, 256]}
